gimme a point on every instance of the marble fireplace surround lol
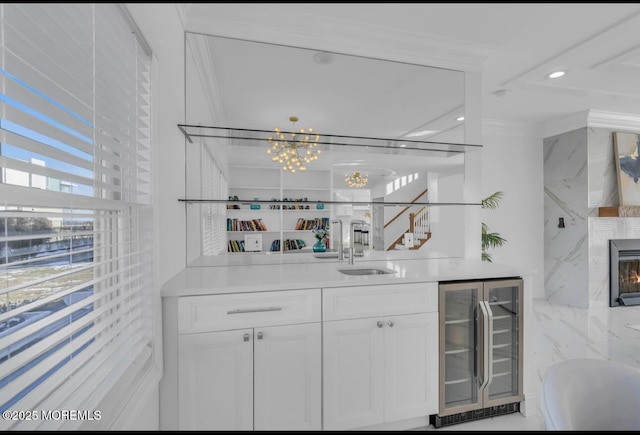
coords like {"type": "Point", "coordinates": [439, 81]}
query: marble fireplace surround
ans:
{"type": "Point", "coordinates": [579, 178]}
{"type": "Point", "coordinates": [624, 259]}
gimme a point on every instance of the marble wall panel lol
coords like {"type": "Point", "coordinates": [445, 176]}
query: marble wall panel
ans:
{"type": "Point", "coordinates": [565, 155]}
{"type": "Point", "coordinates": [565, 196]}
{"type": "Point", "coordinates": [580, 176]}
{"type": "Point", "coordinates": [603, 180]}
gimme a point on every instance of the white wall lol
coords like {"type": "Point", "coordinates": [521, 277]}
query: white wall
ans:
{"type": "Point", "coordinates": [447, 221]}
{"type": "Point", "coordinates": [512, 162]}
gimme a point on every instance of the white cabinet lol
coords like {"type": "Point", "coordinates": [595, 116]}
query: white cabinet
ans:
{"type": "Point", "coordinates": [288, 383]}
{"type": "Point", "coordinates": [411, 365]}
{"type": "Point", "coordinates": [353, 373]}
{"type": "Point", "coordinates": [215, 381]}
{"type": "Point", "coordinates": [265, 377]}
{"type": "Point", "coordinates": [382, 368]}
{"type": "Point", "coordinates": [309, 359]}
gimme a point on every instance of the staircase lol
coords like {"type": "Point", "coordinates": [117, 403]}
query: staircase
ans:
{"type": "Point", "coordinates": [418, 225]}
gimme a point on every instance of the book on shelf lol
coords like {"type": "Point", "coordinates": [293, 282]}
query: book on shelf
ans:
{"type": "Point", "coordinates": [245, 225]}
{"type": "Point", "coordinates": [233, 206]}
{"type": "Point", "coordinates": [296, 206]}
{"type": "Point", "coordinates": [235, 246]}
{"type": "Point", "coordinates": [312, 224]}
{"type": "Point", "coordinates": [275, 246]}
{"type": "Point", "coordinates": [288, 244]}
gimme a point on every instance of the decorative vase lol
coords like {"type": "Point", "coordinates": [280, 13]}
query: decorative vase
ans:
{"type": "Point", "coordinates": [319, 246]}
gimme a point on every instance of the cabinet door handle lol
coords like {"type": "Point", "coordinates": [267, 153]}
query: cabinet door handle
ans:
{"type": "Point", "coordinates": [246, 337]}
{"type": "Point", "coordinates": [485, 343]}
{"type": "Point", "coordinates": [380, 323]}
{"type": "Point", "coordinates": [260, 335]}
{"type": "Point", "coordinates": [254, 310]}
{"type": "Point", "coordinates": [490, 335]}
{"type": "Point", "coordinates": [390, 323]}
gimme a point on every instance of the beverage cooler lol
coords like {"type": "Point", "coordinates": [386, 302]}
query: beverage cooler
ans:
{"type": "Point", "coordinates": [480, 350]}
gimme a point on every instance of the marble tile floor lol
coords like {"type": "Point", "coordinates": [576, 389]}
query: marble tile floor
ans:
{"type": "Point", "coordinates": [562, 332]}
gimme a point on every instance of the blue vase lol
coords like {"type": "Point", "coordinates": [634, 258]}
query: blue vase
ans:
{"type": "Point", "coordinates": [319, 246]}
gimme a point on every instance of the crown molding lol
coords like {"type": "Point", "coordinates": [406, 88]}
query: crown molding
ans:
{"type": "Point", "coordinates": [622, 121]}
{"type": "Point", "coordinates": [593, 119]}
{"type": "Point", "coordinates": [201, 55]}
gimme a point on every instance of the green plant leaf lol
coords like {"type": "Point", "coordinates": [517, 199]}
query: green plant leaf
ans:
{"type": "Point", "coordinates": [492, 201]}
{"type": "Point", "coordinates": [491, 240]}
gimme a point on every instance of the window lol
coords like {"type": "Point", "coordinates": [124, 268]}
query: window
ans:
{"type": "Point", "coordinates": [75, 206]}
{"type": "Point", "coordinates": [214, 216]}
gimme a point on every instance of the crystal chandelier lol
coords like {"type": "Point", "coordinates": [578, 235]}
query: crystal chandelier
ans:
{"type": "Point", "coordinates": [294, 151]}
{"type": "Point", "coordinates": [356, 180]}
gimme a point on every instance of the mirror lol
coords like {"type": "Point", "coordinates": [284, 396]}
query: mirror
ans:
{"type": "Point", "coordinates": [397, 126]}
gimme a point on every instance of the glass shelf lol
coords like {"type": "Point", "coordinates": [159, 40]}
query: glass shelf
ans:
{"type": "Point", "coordinates": [355, 203]}
{"type": "Point", "coordinates": [333, 142]}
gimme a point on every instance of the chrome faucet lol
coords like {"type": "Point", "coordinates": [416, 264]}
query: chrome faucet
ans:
{"type": "Point", "coordinates": [352, 249]}
{"type": "Point", "coordinates": [340, 249]}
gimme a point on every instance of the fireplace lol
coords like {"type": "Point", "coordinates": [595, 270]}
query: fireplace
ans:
{"type": "Point", "coordinates": [624, 272]}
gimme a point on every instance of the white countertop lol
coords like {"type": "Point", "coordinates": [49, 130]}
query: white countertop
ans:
{"type": "Point", "coordinates": [305, 256]}
{"type": "Point", "coordinates": [306, 271]}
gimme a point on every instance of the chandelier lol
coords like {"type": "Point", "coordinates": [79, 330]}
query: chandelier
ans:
{"type": "Point", "coordinates": [294, 151]}
{"type": "Point", "coordinates": [356, 180]}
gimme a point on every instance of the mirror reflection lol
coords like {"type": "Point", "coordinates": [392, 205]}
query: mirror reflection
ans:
{"type": "Point", "coordinates": [286, 144]}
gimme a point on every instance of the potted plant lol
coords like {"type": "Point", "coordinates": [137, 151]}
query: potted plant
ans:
{"type": "Point", "coordinates": [490, 240]}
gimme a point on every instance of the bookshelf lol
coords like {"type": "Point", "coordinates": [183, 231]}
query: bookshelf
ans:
{"type": "Point", "coordinates": [284, 227]}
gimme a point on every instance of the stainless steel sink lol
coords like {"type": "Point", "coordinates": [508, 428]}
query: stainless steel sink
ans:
{"type": "Point", "coordinates": [366, 271]}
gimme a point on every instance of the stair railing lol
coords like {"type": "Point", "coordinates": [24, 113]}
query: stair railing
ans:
{"type": "Point", "coordinates": [419, 224]}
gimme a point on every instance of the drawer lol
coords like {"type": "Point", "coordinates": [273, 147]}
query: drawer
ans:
{"type": "Point", "coordinates": [379, 300]}
{"type": "Point", "coordinates": [248, 310]}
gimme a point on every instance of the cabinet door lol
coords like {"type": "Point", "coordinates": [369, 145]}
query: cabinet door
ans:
{"type": "Point", "coordinates": [460, 347]}
{"type": "Point", "coordinates": [505, 341]}
{"type": "Point", "coordinates": [215, 381]}
{"type": "Point", "coordinates": [353, 373]}
{"type": "Point", "coordinates": [288, 386]}
{"type": "Point", "coordinates": [410, 366]}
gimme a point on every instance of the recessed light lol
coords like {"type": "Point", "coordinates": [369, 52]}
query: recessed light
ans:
{"type": "Point", "coordinates": [420, 133]}
{"type": "Point", "coordinates": [460, 118]}
{"type": "Point", "coordinates": [323, 58]}
{"type": "Point", "coordinates": [502, 92]}
{"type": "Point", "coordinates": [555, 75]}
{"type": "Point", "coordinates": [402, 145]}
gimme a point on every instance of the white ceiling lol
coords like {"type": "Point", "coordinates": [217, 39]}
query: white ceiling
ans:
{"type": "Point", "coordinates": [513, 46]}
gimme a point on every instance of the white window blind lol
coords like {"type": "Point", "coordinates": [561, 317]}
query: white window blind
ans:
{"type": "Point", "coordinates": [214, 216]}
{"type": "Point", "coordinates": [75, 207]}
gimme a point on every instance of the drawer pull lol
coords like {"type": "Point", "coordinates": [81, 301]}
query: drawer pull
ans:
{"type": "Point", "coordinates": [260, 335]}
{"type": "Point", "coordinates": [254, 310]}
{"type": "Point", "coordinates": [246, 337]}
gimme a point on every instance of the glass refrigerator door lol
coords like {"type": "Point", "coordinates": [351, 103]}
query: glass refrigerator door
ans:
{"type": "Point", "coordinates": [459, 347]}
{"type": "Point", "coordinates": [504, 299]}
